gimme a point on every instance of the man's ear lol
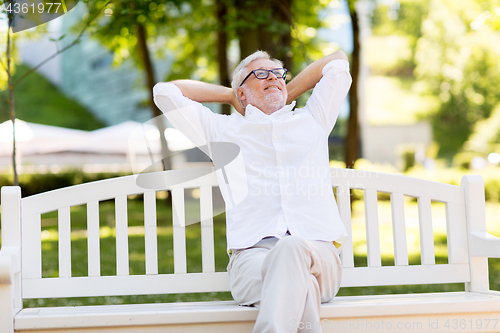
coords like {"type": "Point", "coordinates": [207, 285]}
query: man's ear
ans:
{"type": "Point", "coordinates": [241, 94]}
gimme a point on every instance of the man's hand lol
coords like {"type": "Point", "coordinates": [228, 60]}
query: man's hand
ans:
{"type": "Point", "coordinates": [311, 75]}
{"type": "Point", "coordinates": [208, 93]}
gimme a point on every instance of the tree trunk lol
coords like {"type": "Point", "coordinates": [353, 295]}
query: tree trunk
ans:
{"type": "Point", "coordinates": [253, 37]}
{"type": "Point", "coordinates": [12, 109]}
{"type": "Point", "coordinates": [351, 145]}
{"type": "Point", "coordinates": [150, 82]}
{"type": "Point", "coordinates": [221, 8]}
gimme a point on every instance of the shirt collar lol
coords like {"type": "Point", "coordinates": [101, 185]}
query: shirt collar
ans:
{"type": "Point", "coordinates": [255, 114]}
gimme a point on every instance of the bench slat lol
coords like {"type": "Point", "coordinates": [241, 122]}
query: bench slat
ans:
{"type": "Point", "coordinates": [150, 234]}
{"type": "Point", "coordinates": [122, 260]}
{"type": "Point", "coordinates": [111, 188]}
{"type": "Point", "coordinates": [207, 229]}
{"type": "Point", "coordinates": [219, 281]}
{"type": "Point", "coordinates": [32, 246]}
{"type": "Point", "coordinates": [93, 250]}
{"type": "Point", "coordinates": [399, 229]}
{"type": "Point", "coordinates": [125, 285]}
{"type": "Point", "coordinates": [64, 235]}
{"type": "Point", "coordinates": [179, 231]}
{"type": "Point", "coordinates": [456, 229]}
{"type": "Point", "coordinates": [344, 204]}
{"type": "Point", "coordinates": [405, 275]}
{"type": "Point", "coordinates": [426, 236]}
{"type": "Point", "coordinates": [387, 183]}
{"type": "Point", "coordinates": [372, 229]}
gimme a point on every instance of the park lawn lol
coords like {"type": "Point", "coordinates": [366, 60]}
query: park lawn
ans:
{"type": "Point", "coordinates": [193, 243]}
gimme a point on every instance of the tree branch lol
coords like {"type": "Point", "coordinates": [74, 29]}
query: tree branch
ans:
{"type": "Point", "coordinates": [75, 41]}
{"type": "Point", "coordinates": [3, 65]}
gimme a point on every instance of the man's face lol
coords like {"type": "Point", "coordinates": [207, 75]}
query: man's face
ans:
{"type": "Point", "coordinates": [269, 95]}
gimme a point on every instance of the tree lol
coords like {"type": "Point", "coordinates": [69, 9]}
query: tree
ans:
{"type": "Point", "coordinates": [352, 138]}
{"type": "Point", "coordinates": [8, 67]}
{"type": "Point", "coordinates": [197, 33]}
{"type": "Point", "coordinates": [265, 26]}
{"type": "Point", "coordinates": [458, 56]}
{"type": "Point", "coordinates": [130, 25]}
{"type": "Point", "coordinates": [454, 57]}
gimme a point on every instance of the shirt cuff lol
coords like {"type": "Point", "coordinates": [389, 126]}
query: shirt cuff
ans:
{"type": "Point", "coordinates": [335, 66]}
{"type": "Point", "coordinates": [166, 89]}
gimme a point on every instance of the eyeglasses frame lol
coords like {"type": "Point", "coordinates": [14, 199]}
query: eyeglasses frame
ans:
{"type": "Point", "coordinates": [263, 78]}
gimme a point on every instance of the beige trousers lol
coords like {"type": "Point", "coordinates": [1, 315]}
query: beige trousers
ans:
{"type": "Point", "coordinates": [287, 279]}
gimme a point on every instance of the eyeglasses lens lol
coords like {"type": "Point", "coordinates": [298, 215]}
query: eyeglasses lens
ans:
{"type": "Point", "coordinates": [264, 73]}
{"type": "Point", "coordinates": [261, 74]}
{"type": "Point", "coordinates": [279, 72]}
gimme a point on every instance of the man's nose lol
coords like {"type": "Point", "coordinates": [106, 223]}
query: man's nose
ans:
{"type": "Point", "coordinates": [272, 76]}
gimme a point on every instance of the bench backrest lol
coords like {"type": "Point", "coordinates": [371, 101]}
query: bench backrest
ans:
{"type": "Point", "coordinates": [180, 281]}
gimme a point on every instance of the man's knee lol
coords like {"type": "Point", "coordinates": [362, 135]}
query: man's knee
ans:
{"type": "Point", "coordinates": [290, 247]}
{"type": "Point", "coordinates": [289, 254]}
{"type": "Point", "coordinates": [291, 243]}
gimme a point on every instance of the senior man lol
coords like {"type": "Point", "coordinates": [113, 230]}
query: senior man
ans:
{"type": "Point", "coordinates": [284, 233]}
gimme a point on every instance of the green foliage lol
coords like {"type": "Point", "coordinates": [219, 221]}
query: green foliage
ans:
{"type": "Point", "coordinates": [30, 34]}
{"type": "Point", "coordinates": [485, 137]}
{"type": "Point", "coordinates": [463, 160]}
{"type": "Point", "coordinates": [455, 56]}
{"type": "Point", "coordinates": [397, 62]}
{"type": "Point", "coordinates": [306, 46]}
{"type": "Point", "coordinates": [185, 31]}
{"type": "Point", "coordinates": [180, 28]}
{"type": "Point", "coordinates": [37, 100]}
{"type": "Point", "coordinates": [453, 176]}
{"type": "Point", "coordinates": [401, 20]}
{"type": "Point", "coordinates": [459, 60]}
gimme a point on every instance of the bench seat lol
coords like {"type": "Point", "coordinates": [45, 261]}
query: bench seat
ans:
{"type": "Point", "coordinates": [222, 316]}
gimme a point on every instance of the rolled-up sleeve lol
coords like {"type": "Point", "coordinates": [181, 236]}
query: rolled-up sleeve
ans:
{"type": "Point", "coordinates": [329, 93]}
{"type": "Point", "coordinates": [197, 122]}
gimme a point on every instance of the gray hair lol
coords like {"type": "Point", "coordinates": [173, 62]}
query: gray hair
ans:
{"type": "Point", "coordinates": [240, 72]}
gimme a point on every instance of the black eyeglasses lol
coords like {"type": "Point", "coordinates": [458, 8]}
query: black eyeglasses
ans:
{"type": "Point", "coordinates": [262, 74]}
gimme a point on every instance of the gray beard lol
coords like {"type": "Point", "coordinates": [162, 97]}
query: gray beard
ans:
{"type": "Point", "coordinates": [267, 103]}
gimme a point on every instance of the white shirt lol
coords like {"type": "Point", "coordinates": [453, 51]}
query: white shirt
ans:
{"type": "Point", "coordinates": [279, 179]}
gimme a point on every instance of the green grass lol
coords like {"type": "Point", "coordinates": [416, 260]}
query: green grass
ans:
{"type": "Point", "coordinates": [193, 242]}
{"type": "Point", "coordinates": [37, 100]}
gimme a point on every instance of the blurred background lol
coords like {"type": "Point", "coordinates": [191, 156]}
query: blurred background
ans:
{"type": "Point", "coordinates": [424, 99]}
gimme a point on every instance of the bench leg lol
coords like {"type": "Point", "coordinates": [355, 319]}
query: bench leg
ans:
{"type": "Point", "coordinates": [7, 297]}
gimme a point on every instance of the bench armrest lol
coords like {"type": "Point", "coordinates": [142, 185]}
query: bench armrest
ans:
{"type": "Point", "coordinates": [10, 263]}
{"type": "Point", "coordinates": [484, 244]}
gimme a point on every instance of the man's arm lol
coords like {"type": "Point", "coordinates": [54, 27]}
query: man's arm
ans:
{"type": "Point", "coordinates": [203, 92]}
{"type": "Point", "coordinates": [311, 75]}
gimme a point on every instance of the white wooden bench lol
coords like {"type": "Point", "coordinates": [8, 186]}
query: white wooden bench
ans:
{"type": "Point", "coordinates": [476, 309]}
